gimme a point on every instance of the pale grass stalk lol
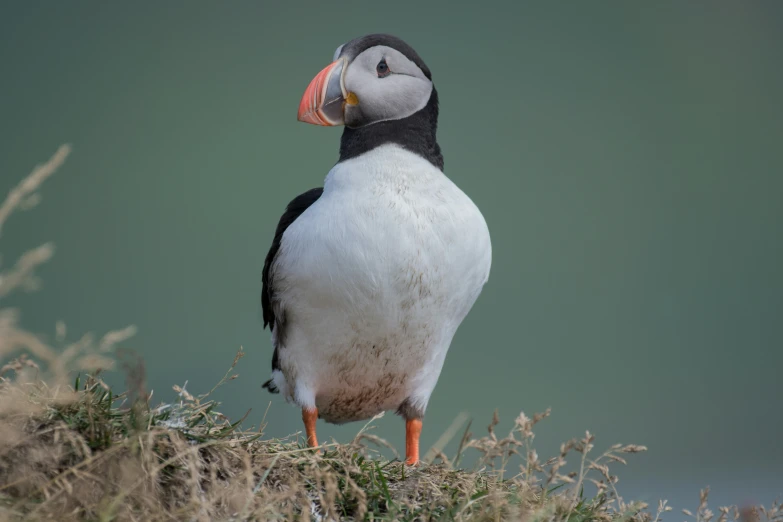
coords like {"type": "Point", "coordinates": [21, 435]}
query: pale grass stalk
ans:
{"type": "Point", "coordinates": [444, 439]}
{"type": "Point", "coordinates": [27, 187]}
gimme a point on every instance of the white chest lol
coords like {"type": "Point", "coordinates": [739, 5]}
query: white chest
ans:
{"type": "Point", "coordinates": [375, 278]}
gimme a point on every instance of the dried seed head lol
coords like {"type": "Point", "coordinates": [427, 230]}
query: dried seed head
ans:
{"type": "Point", "coordinates": [633, 448]}
{"type": "Point", "coordinates": [566, 479]}
{"type": "Point", "coordinates": [566, 447]}
{"type": "Point", "coordinates": [541, 416]}
{"type": "Point", "coordinates": [601, 468]}
{"type": "Point", "coordinates": [182, 392]}
{"type": "Point", "coordinates": [615, 458]}
{"type": "Point", "coordinates": [495, 420]}
{"type": "Point", "coordinates": [532, 460]}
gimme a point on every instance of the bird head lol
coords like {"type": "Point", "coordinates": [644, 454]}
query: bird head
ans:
{"type": "Point", "coordinates": [374, 78]}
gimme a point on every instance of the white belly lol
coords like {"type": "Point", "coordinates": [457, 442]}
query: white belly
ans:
{"type": "Point", "coordinates": [374, 279]}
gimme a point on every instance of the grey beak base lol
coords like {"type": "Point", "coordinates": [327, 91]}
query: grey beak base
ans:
{"type": "Point", "coordinates": [334, 100]}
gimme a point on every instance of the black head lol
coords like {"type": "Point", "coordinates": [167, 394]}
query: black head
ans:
{"type": "Point", "coordinates": [381, 90]}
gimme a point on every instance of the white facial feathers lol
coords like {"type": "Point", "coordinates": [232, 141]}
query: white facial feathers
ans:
{"type": "Point", "coordinates": [399, 94]}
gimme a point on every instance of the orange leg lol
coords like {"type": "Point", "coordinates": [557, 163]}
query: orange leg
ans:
{"type": "Point", "coordinates": [309, 417]}
{"type": "Point", "coordinates": [412, 433]}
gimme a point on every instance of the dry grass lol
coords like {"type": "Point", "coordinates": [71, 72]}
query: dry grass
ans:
{"type": "Point", "coordinates": [77, 451]}
{"type": "Point", "coordinates": [83, 453]}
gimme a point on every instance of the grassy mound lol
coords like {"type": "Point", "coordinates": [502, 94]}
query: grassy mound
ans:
{"type": "Point", "coordinates": [84, 453]}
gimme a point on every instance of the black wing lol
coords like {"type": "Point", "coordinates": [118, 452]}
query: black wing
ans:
{"type": "Point", "coordinates": [294, 209]}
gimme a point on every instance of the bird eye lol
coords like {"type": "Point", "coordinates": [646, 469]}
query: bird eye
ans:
{"type": "Point", "coordinates": [382, 69]}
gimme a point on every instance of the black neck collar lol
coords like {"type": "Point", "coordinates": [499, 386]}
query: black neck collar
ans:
{"type": "Point", "coordinates": [415, 133]}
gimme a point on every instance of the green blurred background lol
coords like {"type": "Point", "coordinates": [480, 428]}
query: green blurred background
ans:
{"type": "Point", "coordinates": [627, 156]}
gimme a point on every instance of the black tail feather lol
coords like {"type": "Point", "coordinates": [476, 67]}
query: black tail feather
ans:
{"type": "Point", "coordinates": [270, 385]}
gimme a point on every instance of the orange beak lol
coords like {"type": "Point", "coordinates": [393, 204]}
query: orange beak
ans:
{"type": "Point", "coordinates": [323, 102]}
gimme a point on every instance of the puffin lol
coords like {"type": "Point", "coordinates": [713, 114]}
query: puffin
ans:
{"type": "Point", "coordinates": [369, 277]}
